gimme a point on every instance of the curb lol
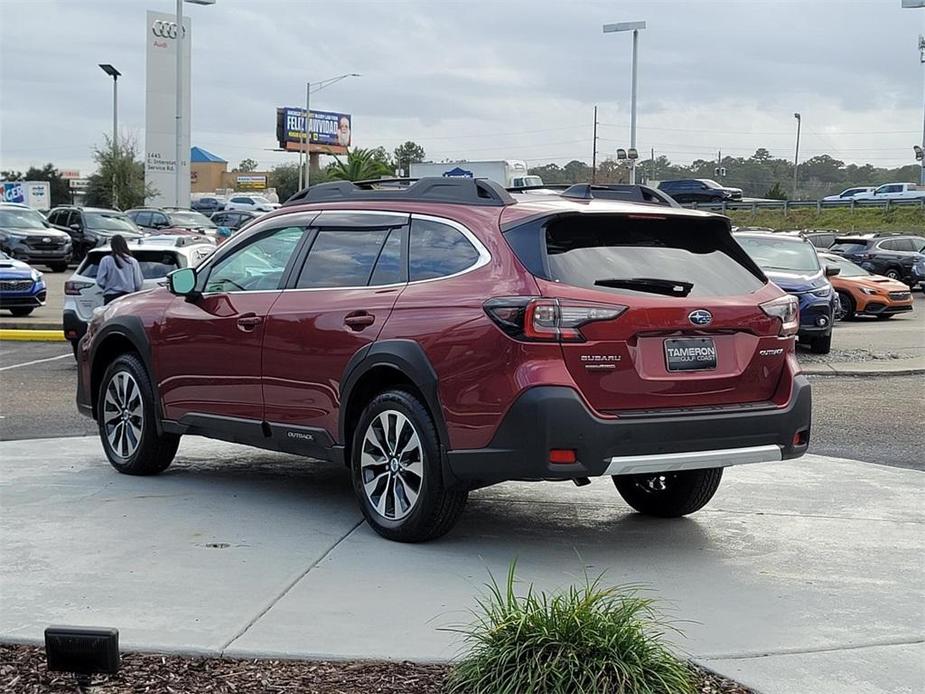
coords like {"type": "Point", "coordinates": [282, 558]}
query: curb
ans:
{"type": "Point", "coordinates": [850, 370]}
{"type": "Point", "coordinates": [32, 335]}
{"type": "Point", "coordinates": [33, 325]}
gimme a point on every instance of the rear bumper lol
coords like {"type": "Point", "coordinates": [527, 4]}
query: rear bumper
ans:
{"type": "Point", "coordinates": [555, 417]}
{"type": "Point", "coordinates": [74, 326]}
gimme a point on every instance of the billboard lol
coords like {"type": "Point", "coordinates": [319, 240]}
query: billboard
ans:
{"type": "Point", "coordinates": [250, 182]}
{"type": "Point", "coordinates": [329, 132]}
{"type": "Point", "coordinates": [160, 110]}
{"type": "Point", "coordinates": [35, 194]}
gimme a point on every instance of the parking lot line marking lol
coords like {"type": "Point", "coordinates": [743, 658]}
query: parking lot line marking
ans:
{"type": "Point", "coordinates": [34, 361]}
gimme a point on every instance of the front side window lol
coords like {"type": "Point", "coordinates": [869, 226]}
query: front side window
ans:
{"type": "Point", "coordinates": [342, 258]}
{"type": "Point", "coordinates": [438, 250]}
{"type": "Point", "coordinates": [846, 267]}
{"type": "Point", "coordinates": [257, 266]}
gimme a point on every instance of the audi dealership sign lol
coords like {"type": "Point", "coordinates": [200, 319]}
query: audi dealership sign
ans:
{"type": "Point", "coordinates": [161, 33]}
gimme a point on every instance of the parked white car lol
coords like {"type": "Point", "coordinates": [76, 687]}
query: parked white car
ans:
{"type": "Point", "coordinates": [894, 191]}
{"type": "Point", "coordinates": [255, 203]}
{"type": "Point", "coordinates": [848, 194]}
{"type": "Point", "coordinates": [157, 256]}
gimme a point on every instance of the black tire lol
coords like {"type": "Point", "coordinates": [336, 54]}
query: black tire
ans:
{"type": "Point", "coordinates": [435, 509]}
{"type": "Point", "coordinates": [893, 273]}
{"type": "Point", "coordinates": [74, 348]}
{"type": "Point", "coordinates": [153, 452]}
{"type": "Point", "coordinates": [669, 494]}
{"type": "Point", "coordinates": [21, 311]}
{"type": "Point", "coordinates": [848, 307]}
{"type": "Point", "coordinates": [57, 267]}
{"type": "Point", "coordinates": [821, 344]}
{"type": "Point", "coordinates": [885, 316]}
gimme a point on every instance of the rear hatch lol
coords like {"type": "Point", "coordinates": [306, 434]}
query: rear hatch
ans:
{"type": "Point", "coordinates": [692, 334]}
{"type": "Point", "coordinates": [155, 265]}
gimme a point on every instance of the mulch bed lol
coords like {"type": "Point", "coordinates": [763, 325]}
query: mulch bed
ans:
{"type": "Point", "coordinates": [22, 671]}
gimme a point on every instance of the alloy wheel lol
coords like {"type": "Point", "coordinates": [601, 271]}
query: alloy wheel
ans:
{"type": "Point", "coordinates": [123, 414]}
{"type": "Point", "coordinates": [392, 465]}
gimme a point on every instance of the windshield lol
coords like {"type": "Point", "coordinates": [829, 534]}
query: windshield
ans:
{"type": "Point", "coordinates": [4, 256]}
{"type": "Point", "coordinates": [109, 221]}
{"type": "Point", "coordinates": [21, 219]}
{"type": "Point", "coordinates": [848, 269]}
{"type": "Point", "coordinates": [190, 219]}
{"type": "Point", "coordinates": [781, 254]}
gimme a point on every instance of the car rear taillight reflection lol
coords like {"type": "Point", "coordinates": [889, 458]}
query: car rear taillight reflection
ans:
{"type": "Point", "coordinates": [787, 309]}
{"type": "Point", "coordinates": [547, 320]}
{"type": "Point", "coordinates": [74, 287]}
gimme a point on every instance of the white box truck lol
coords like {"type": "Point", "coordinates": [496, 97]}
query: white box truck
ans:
{"type": "Point", "coordinates": [509, 173]}
{"type": "Point", "coordinates": [35, 194]}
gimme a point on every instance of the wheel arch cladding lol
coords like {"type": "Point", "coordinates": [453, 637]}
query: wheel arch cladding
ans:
{"type": "Point", "coordinates": [122, 334]}
{"type": "Point", "coordinates": [379, 367]}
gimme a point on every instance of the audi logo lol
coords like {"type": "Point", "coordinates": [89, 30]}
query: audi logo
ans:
{"type": "Point", "coordinates": [164, 30]}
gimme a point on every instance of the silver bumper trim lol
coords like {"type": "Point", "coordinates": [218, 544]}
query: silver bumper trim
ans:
{"type": "Point", "coordinates": [691, 460]}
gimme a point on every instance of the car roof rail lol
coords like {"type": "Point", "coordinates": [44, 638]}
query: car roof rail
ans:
{"type": "Point", "coordinates": [455, 190]}
{"type": "Point", "coordinates": [546, 186]}
{"type": "Point", "coordinates": [619, 191]}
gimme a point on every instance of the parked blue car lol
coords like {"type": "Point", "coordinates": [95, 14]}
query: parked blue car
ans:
{"type": "Point", "coordinates": [791, 263]}
{"type": "Point", "coordinates": [22, 288]}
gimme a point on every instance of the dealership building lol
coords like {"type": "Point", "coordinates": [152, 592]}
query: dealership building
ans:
{"type": "Point", "coordinates": [209, 173]}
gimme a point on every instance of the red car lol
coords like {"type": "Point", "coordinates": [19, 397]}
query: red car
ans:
{"type": "Point", "coordinates": [448, 335]}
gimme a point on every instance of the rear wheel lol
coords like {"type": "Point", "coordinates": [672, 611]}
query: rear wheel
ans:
{"type": "Point", "coordinates": [669, 494]}
{"type": "Point", "coordinates": [847, 306]}
{"type": "Point", "coordinates": [893, 273]}
{"type": "Point", "coordinates": [21, 311]}
{"type": "Point", "coordinates": [397, 471]}
{"type": "Point", "coordinates": [821, 344]}
{"type": "Point", "coordinates": [126, 418]}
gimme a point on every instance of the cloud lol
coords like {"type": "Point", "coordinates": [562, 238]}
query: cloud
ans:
{"type": "Point", "coordinates": [480, 78]}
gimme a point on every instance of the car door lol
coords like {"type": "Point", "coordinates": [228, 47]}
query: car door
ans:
{"type": "Point", "coordinates": [208, 346]}
{"type": "Point", "coordinates": [337, 303]}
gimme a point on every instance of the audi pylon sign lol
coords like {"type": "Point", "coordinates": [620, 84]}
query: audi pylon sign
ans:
{"type": "Point", "coordinates": [161, 33]}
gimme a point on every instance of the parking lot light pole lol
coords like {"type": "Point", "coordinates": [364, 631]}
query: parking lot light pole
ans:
{"type": "Point", "coordinates": [634, 27]}
{"type": "Point", "coordinates": [179, 148]}
{"type": "Point", "coordinates": [115, 74]}
{"type": "Point", "coordinates": [796, 155]}
{"type": "Point", "coordinates": [309, 88]}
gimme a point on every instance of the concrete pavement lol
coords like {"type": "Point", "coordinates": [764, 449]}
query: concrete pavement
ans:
{"type": "Point", "coordinates": [796, 574]}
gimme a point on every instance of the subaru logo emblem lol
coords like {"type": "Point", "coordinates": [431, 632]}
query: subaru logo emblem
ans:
{"type": "Point", "coordinates": [700, 317]}
{"type": "Point", "coordinates": [45, 239]}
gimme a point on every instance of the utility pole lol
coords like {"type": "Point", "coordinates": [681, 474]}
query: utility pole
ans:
{"type": "Point", "coordinates": [652, 165]}
{"type": "Point", "coordinates": [594, 150]}
{"type": "Point", "coordinates": [796, 155]}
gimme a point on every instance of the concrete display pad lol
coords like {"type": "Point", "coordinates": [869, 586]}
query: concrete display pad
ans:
{"type": "Point", "coordinates": [800, 573]}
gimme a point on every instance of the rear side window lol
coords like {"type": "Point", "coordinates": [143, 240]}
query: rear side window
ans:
{"type": "Point", "coordinates": [847, 247]}
{"type": "Point", "coordinates": [438, 250]}
{"type": "Point", "coordinates": [342, 258]}
{"type": "Point", "coordinates": [644, 256]}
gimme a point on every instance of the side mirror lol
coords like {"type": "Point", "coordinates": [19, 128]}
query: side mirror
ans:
{"type": "Point", "coordinates": [74, 227]}
{"type": "Point", "coordinates": [182, 282]}
{"type": "Point", "coordinates": [831, 270]}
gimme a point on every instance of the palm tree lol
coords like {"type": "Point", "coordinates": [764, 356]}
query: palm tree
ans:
{"type": "Point", "coordinates": [360, 165]}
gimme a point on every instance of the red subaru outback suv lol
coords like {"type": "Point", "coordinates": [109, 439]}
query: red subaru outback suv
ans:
{"type": "Point", "coordinates": [447, 335]}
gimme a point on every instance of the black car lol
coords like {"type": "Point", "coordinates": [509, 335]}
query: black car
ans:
{"type": "Point", "coordinates": [160, 219]}
{"type": "Point", "coordinates": [90, 227]}
{"type": "Point", "coordinates": [234, 219]}
{"type": "Point", "coordinates": [699, 190]}
{"type": "Point", "coordinates": [208, 205]}
{"type": "Point", "coordinates": [892, 255]}
{"type": "Point", "coordinates": [26, 235]}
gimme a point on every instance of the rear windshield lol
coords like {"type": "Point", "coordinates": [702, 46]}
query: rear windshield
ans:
{"type": "Point", "coordinates": [613, 253]}
{"type": "Point", "coordinates": [843, 247]}
{"type": "Point", "coordinates": [154, 264]}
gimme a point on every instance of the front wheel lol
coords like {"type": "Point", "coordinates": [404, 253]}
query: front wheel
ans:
{"type": "Point", "coordinates": [397, 471]}
{"type": "Point", "coordinates": [57, 267]}
{"type": "Point", "coordinates": [821, 344]}
{"type": "Point", "coordinates": [847, 308]}
{"type": "Point", "coordinates": [20, 311]}
{"type": "Point", "coordinates": [126, 418]}
{"type": "Point", "coordinates": [669, 494]}
{"type": "Point", "coordinates": [885, 316]}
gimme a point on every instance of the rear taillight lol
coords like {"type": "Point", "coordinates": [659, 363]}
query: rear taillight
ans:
{"type": "Point", "coordinates": [547, 320]}
{"type": "Point", "coordinates": [73, 287]}
{"type": "Point", "coordinates": [787, 309]}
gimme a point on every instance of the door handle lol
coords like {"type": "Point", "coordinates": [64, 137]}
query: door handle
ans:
{"type": "Point", "coordinates": [359, 320]}
{"type": "Point", "coordinates": [248, 322]}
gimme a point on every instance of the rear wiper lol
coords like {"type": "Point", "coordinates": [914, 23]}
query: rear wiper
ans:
{"type": "Point", "coordinates": [648, 284]}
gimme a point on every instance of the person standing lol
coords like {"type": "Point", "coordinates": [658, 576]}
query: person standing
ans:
{"type": "Point", "coordinates": [119, 272]}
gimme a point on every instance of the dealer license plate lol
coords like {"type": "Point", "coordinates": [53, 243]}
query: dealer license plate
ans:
{"type": "Point", "coordinates": [690, 354]}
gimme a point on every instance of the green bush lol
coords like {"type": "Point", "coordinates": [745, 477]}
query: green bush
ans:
{"type": "Point", "coordinates": [906, 219]}
{"type": "Point", "coordinates": [589, 639]}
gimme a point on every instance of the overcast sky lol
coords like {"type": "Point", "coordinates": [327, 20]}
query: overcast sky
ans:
{"type": "Point", "coordinates": [480, 79]}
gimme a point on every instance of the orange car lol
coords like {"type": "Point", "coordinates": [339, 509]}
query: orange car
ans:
{"type": "Point", "coordinates": [863, 293]}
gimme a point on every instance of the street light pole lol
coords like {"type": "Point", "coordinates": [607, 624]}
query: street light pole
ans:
{"type": "Point", "coordinates": [306, 132]}
{"type": "Point", "coordinates": [796, 155]}
{"type": "Point", "coordinates": [635, 28]}
{"type": "Point", "coordinates": [115, 74]}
